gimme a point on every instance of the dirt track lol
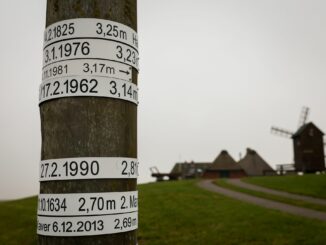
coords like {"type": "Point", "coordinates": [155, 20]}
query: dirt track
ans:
{"type": "Point", "coordinates": [305, 212]}
{"type": "Point", "coordinates": [245, 185]}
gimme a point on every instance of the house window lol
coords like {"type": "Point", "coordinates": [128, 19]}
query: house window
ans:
{"type": "Point", "coordinates": [311, 132]}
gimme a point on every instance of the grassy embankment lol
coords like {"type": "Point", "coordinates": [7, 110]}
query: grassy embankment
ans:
{"type": "Point", "coordinates": [181, 213]}
{"type": "Point", "coordinates": [18, 222]}
{"type": "Point", "coordinates": [308, 184]}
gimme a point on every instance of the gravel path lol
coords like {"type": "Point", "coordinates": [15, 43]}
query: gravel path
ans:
{"type": "Point", "coordinates": [238, 182]}
{"type": "Point", "coordinates": [305, 212]}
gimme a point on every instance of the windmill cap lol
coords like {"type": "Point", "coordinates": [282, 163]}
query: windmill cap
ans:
{"type": "Point", "coordinates": [251, 151]}
{"type": "Point", "coordinates": [224, 152]}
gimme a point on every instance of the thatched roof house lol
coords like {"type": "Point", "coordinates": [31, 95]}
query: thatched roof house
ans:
{"type": "Point", "coordinates": [225, 162]}
{"type": "Point", "coordinates": [224, 166]}
{"type": "Point", "coordinates": [254, 165]}
{"type": "Point", "coordinates": [190, 169]}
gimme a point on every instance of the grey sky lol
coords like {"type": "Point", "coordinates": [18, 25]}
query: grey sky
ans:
{"type": "Point", "coordinates": [213, 75]}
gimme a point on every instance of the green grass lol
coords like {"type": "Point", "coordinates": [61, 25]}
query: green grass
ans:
{"type": "Point", "coordinates": [18, 222]}
{"type": "Point", "coordinates": [182, 213]}
{"type": "Point", "coordinates": [308, 184]}
{"type": "Point", "coordinates": [300, 203]}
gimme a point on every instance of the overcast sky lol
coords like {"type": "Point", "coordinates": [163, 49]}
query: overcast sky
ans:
{"type": "Point", "coordinates": [214, 74]}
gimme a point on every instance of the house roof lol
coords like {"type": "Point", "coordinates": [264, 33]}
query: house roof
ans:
{"type": "Point", "coordinates": [304, 127]}
{"type": "Point", "coordinates": [187, 167]}
{"type": "Point", "coordinates": [253, 164]}
{"type": "Point", "coordinates": [224, 162]}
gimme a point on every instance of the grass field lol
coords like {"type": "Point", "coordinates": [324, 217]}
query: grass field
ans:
{"type": "Point", "coordinates": [300, 203]}
{"type": "Point", "coordinates": [181, 213]}
{"type": "Point", "coordinates": [18, 222]}
{"type": "Point", "coordinates": [309, 184]}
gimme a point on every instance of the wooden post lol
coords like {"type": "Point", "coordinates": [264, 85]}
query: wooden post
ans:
{"type": "Point", "coordinates": [90, 126]}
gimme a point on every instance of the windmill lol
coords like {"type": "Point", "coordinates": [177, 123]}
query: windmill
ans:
{"type": "Point", "coordinates": [308, 144]}
{"type": "Point", "coordinates": [287, 133]}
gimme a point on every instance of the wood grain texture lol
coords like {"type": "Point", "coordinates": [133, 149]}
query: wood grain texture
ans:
{"type": "Point", "coordinates": [90, 126]}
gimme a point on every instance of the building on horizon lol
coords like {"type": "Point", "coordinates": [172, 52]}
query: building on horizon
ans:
{"type": "Point", "coordinates": [254, 165]}
{"type": "Point", "coordinates": [189, 170]}
{"type": "Point", "coordinates": [224, 166]}
{"type": "Point", "coordinates": [308, 145]}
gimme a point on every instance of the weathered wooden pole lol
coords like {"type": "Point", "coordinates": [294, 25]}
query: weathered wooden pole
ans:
{"type": "Point", "coordinates": [88, 108]}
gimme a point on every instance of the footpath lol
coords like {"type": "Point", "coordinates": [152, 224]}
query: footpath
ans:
{"type": "Point", "coordinates": [239, 183]}
{"type": "Point", "coordinates": [291, 209]}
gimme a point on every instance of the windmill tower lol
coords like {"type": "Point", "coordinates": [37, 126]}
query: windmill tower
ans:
{"type": "Point", "coordinates": [308, 144]}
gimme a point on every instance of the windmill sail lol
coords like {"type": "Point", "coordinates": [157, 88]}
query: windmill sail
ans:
{"type": "Point", "coordinates": [281, 132]}
{"type": "Point", "coordinates": [303, 116]}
